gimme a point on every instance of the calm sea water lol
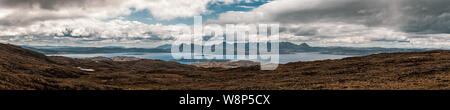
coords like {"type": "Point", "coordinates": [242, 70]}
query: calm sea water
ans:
{"type": "Point", "coordinates": [284, 58]}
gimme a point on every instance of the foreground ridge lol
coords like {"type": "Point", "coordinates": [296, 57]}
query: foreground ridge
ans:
{"type": "Point", "coordinates": [22, 69]}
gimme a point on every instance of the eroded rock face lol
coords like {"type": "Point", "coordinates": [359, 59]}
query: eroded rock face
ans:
{"type": "Point", "coordinates": [98, 58]}
{"type": "Point", "coordinates": [124, 58]}
{"type": "Point", "coordinates": [85, 69]}
{"type": "Point", "coordinates": [110, 59]}
{"type": "Point", "coordinates": [234, 64]}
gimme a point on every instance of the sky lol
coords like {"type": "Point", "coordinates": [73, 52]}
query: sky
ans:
{"type": "Point", "coordinates": [148, 23]}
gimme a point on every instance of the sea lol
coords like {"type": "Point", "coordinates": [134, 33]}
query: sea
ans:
{"type": "Point", "coordinates": [284, 58]}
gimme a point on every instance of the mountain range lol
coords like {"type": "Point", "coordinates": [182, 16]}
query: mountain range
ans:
{"type": "Point", "coordinates": [285, 48]}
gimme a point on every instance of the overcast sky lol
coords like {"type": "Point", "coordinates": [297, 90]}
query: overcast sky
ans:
{"type": "Point", "coordinates": [147, 23]}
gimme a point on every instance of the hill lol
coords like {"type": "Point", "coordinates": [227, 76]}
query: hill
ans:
{"type": "Point", "coordinates": [25, 69]}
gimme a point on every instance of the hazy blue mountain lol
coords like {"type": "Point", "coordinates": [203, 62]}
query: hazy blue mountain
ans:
{"type": "Point", "coordinates": [165, 46]}
{"type": "Point", "coordinates": [288, 48]}
{"type": "Point", "coordinates": [285, 48]}
{"type": "Point", "coordinates": [89, 50]}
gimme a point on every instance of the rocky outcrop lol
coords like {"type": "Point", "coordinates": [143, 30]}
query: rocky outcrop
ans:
{"type": "Point", "coordinates": [233, 64]}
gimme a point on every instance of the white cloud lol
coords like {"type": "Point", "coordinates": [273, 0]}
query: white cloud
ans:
{"type": "Point", "coordinates": [342, 33]}
{"type": "Point", "coordinates": [25, 12]}
{"type": "Point", "coordinates": [352, 22]}
{"type": "Point", "coordinates": [320, 22]}
{"type": "Point", "coordinates": [249, 7]}
{"type": "Point", "coordinates": [266, 12]}
{"type": "Point", "coordinates": [170, 9]}
{"type": "Point", "coordinates": [5, 12]}
{"type": "Point", "coordinates": [88, 31]}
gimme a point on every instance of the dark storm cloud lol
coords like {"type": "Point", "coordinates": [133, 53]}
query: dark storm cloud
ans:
{"type": "Point", "coordinates": [25, 12]}
{"type": "Point", "coordinates": [418, 16]}
{"type": "Point", "coordinates": [22, 20]}
{"type": "Point", "coordinates": [336, 10]}
{"type": "Point", "coordinates": [411, 16]}
{"type": "Point", "coordinates": [427, 16]}
{"type": "Point", "coordinates": [50, 4]}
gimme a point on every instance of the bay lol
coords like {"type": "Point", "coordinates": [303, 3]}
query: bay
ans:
{"type": "Point", "coordinates": [284, 58]}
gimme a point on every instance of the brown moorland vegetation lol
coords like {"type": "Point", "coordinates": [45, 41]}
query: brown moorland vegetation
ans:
{"type": "Point", "coordinates": [22, 69]}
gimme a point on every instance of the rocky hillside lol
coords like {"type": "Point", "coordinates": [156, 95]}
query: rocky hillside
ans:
{"type": "Point", "coordinates": [230, 64]}
{"type": "Point", "coordinates": [24, 69]}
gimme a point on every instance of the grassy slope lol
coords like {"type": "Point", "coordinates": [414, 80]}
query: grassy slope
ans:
{"type": "Point", "coordinates": [24, 69]}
